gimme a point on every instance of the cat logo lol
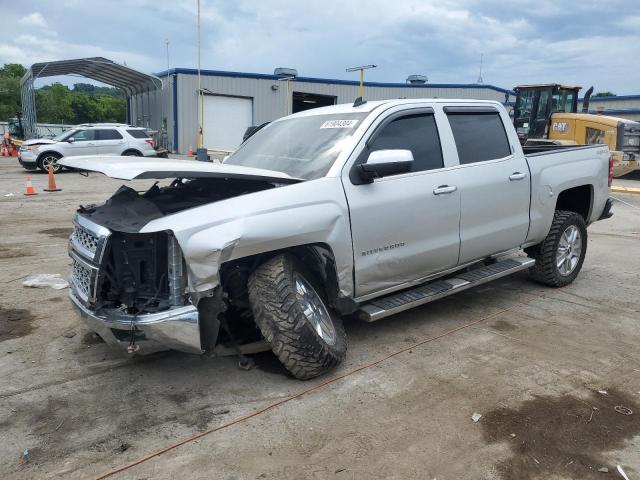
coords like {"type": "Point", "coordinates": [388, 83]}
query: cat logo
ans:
{"type": "Point", "coordinates": [562, 127]}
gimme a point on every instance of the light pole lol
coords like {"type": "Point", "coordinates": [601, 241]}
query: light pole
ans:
{"type": "Point", "coordinates": [361, 68]}
{"type": "Point", "coordinates": [200, 95]}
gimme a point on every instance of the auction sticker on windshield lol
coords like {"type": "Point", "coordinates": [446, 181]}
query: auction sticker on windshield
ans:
{"type": "Point", "coordinates": [339, 124]}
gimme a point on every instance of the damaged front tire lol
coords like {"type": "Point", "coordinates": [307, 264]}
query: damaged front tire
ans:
{"type": "Point", "coordinates": [290, 309]}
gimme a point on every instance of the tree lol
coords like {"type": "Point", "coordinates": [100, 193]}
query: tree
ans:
{"type": "Point", "coordinates": [10, 102]}
{"type": "Point", "coordinates": [605, 94]}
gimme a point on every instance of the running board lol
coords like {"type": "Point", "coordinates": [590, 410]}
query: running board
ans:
{"type": "Point", "coordinates": [428, 292]}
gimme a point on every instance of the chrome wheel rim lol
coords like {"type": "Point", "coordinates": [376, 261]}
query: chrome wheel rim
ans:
{"type": "Point", "coordinates": [569, 250]}
{"type": "Point", "coordinates": [49, 160]}
{"type": "Point", "coordinates": [314, 310]}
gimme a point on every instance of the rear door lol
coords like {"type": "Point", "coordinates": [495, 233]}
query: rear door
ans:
{"type": "Point", "coordinates": [405, 226]}
{"type": "Point", "coordinates": [109, 141]}
{"type": "Point", "coordinates": [494, 183]}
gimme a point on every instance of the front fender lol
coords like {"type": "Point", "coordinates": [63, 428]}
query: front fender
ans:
{"type": "Point", "coordinates": [287, 216]}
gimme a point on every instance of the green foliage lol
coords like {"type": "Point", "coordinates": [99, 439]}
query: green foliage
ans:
{"type": "Point", "coordinates": [10, 75]}
{"type": "Point", "coordinates": [605, 94]}
{"type": "Point", "coordinates": [84, 103]}
{"type": "Point", "coordinates": [58, 103]}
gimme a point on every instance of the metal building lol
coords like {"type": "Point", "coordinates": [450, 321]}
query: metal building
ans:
{"type": "Point", "coordinates": [624, 106]}
{"type": "Point", "coordinates": [234, 101]}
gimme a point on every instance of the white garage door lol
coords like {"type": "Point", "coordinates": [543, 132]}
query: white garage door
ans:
{"type": "Point", "coordinates": [225, 121]}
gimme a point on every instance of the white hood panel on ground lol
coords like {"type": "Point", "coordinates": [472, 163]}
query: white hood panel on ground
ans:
{"type": "Point", "coordinates": [130, 168]}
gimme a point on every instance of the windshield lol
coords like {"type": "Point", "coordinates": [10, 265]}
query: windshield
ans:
{"type": "Point", "coordinates": [303, 147]}
{"type": "Point", "coordinates": [63, 135]}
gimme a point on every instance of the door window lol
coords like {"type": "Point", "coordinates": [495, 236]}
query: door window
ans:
{"type": "Point", "coordinates": [479, 136]}
{"type": "Point", "coordinates": [594, 136]}
{"type": "Point", "coordinates": [543, 104]}
{"type": "Point", "coordinates": [417, 133]}
{"type": "Point", "coordinates": [84, 135]}
{"type": "Point", "coordinates": [109, 134]}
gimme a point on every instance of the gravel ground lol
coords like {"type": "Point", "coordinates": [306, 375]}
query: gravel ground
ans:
{"type": "Point", "coordinates": [532, 366]}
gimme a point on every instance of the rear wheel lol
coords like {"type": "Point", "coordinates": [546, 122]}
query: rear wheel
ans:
{"type": "Point", "coordinates": [560, 256]}
{"type": "Point", "coordinates": [49, 159]}
{"type": "Point", "coordinates": [132, 153]}
{"type": "Point", "coordinates": [290, 309]}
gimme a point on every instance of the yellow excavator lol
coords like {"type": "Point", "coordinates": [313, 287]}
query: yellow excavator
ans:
{"type": "Point", "coordinates": [546, 115]}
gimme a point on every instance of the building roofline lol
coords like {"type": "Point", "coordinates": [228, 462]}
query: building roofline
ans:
{"type": "Point", "coordinates": [614, 111]}
{"type": "Point", "coordinates": [614, 97]}
{"type": "Point", "coordinates": [262, 76]}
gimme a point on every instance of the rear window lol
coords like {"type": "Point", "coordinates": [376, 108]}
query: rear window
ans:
{"type": "Point", "coordinates": [138, 133]}
{"type": "Point", "coordinates": [108, 134]}
{"type": "Point", "coordinates": [479, 136]}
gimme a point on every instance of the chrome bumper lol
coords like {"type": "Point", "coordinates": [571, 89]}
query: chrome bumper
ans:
{"type": "Point", "coordinates": [173, 329]}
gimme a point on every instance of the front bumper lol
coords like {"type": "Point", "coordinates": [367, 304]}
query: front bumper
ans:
{"type": "Point", "coordinates": [28, 159]}
{"type": "Point", "coordinates": [174, 329]}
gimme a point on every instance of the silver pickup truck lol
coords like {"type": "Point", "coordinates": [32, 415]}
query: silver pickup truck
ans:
{"type": "Point", "coordinates": [364, 210]}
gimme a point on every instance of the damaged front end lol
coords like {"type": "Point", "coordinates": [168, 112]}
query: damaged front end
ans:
{"type": "Point", "coordinates": [132, 288]}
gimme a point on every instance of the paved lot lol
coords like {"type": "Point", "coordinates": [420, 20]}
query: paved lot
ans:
{"type": "Point", "coordinates": [529, 359]}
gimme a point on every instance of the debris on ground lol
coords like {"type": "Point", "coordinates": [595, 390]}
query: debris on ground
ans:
{"type": "Point", "coordinates": [69, 334]}
{"type": "Point", "coordinates": [603, 470]}
{"type": "Point", "coordinates": [43, 280]}
{"type": "Point", "coordinates": [622, 410]}
{"type": "Point", "coordinates": [476, 416]}
{"type": "Point", "coordinates": [602, 392]}
{"type": "Point", "coordinates": [9, 194]}
{"type": "Point", "coordinates": [26, 455]}
{"type": "Point", "coordinates": [621, 472]}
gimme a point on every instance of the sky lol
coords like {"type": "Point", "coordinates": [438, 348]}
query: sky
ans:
{"type": "Point", "coordinates": [584, 42]}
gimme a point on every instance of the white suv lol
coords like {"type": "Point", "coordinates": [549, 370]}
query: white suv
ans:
{"type": "Point", "coordinates": [86, 139]}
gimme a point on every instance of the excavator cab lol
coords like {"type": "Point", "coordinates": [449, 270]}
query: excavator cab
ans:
{"type": "Point", "coordinates": [536, 103]}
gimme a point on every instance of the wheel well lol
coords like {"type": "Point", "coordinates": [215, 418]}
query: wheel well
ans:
{"type": "Point", "coordinates": [317, 257]}
{"type": "Point", "coordinates": [48, 152]}
{"type": "Point", "coordinates": [132, 150]}
{"type": "Point", "coordinates": [576, 199]}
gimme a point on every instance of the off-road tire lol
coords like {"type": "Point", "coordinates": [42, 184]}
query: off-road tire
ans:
{"type": "Point", "coordinates": [546, 270]}
{"type": "Point", "coordinates": [278, 313]}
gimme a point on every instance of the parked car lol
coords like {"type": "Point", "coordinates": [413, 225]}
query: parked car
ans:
{"type": "Point", "coordinates": [86, 139]}
{"type": "Point", "coordinates": [368, 209]}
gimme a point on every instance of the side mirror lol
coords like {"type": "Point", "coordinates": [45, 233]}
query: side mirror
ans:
{"type": "Point", "coordinates": [71, 140]}
{"type": "Point", "coordinates": [382, 163]}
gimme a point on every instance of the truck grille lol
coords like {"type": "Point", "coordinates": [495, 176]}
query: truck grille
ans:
{"type": "Point", "coordinates": [86, 239]}
{"type": "Point", "coordinates": [87, 245]}
{"type": "Point", "coordinates": [81, 279]}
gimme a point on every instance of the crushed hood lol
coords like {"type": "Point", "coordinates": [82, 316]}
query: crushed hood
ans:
{"type": "Point", "coordinates": [39, 141]}
{"type": "Point", "coordinates": [130, 168]}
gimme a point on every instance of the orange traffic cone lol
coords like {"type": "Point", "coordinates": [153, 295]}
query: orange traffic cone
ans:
{"type": "Point", "coordinates": [52, 182]}
{"type": "Point", "coordinates": [29, 190]}
{"type": "Point", "coordinates": [190, 151]}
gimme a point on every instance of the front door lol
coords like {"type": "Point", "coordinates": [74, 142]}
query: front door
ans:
{"type": "Point", "coordinates": [494, 184]}
{"type": "Point", "coordinates": [82, 143]}
{"type": "Point", "coordinates": [405, 226]}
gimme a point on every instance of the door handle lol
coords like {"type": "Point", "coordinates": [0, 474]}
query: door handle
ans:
{"type": "Point", "coordinates": [517, 176]}
{"type": "Point", "coordinates": [442, 189]}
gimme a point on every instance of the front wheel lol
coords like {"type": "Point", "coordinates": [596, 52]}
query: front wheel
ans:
{"type": "Point", "coordinates": [560, 256]}
{"type": "Point", "coordinates": [49, 159]}
{"type": "Point", "coordinates": [291, 311]}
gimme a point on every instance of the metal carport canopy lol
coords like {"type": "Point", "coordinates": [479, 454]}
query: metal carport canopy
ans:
{"type": "Point", "coordinates": [96, 68]}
